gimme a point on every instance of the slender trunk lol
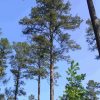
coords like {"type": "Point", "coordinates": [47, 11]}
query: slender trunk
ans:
{"type": "Point", "coordinates": [17, 84]}
{"type": "Point", "coordinates": [51, 69]}
{"type": "Point", "coordinates": [39, 77]}
{"type": "Point", "coordinates": [51, 83]}
{"type": "Point", "coordinates": [39, 87]}
{"type": "Point", "coordinates": [95, 23]}
{"type": "Point", "coordinates": [51, 54]}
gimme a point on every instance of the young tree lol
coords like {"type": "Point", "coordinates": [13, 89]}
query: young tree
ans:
{"type": "Point", "coordinates": [51, 18]}
{"type": "Point", "coordinates": [93, 90]}
{"type": "Point", "coordinates": [74, 89]}
{"type": "Point", "coordinates": [18, 66]}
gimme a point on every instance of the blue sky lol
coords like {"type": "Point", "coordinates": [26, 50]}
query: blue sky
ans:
{"type": "Point", "coordinates": [11, 11]}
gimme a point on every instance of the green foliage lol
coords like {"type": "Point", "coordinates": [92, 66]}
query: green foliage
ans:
{"type": "Point", "coordinates": [74, 89]}
{"type": "Point", "coordinates": [53, 18]}
{"type": "Point", "coordinates": [5, 49]}
{"type": "Point", "coordinates": [90, 37]}
{"type": "Point", "coordinates": [93, 90]}
{"type": "Point", "coordinates": [38, 57]}
{"type": "Point", "coordinates": [19, 63]}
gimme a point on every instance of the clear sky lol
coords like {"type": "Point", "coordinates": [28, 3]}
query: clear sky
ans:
{"type": "Point", "coordinates": [11, 11]}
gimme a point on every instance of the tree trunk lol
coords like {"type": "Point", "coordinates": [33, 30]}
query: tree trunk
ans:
{"type": "Point", "coordinates": [51, 83]}
{"type": "Point", "coordinates": [51, 69]}
{"type": "Point", "coordinates": [39, 87]}
{"type": "Point", "coordinates": [95, 23]}
{"type": "Point", "coordinates": [51, 56]}
{"type": "Point", "coordinates": [17, 84]}
{"type": "Point", "coordinates": [39, 77]}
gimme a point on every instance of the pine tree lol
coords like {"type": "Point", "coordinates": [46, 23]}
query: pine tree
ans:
{"type": "Point", "coordinates": [39, 60]}
{"type": "Point", "coordinates": [5, 50]}
{"type": "Point", "coordinates": [93, 91]}
{"type": "Point", "coordinates": [74, 89]}
{"type": "Point", "coordinates": [51, 18]}
{"type": "Point", "coordinates": [18, 63]}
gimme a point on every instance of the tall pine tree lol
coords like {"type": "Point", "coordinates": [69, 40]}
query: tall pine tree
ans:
{"type": "Point", "coordinates": [52, 19]}
{"type": "Point", "coordinates": [39, 60]}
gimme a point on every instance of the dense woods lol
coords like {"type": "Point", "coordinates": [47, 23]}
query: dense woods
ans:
{"type": "Point", "coordinates": [48, 40]}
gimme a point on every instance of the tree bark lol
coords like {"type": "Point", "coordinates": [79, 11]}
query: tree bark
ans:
{"type": "Point", "coordinates": [95, 23]}
{"type": "Point", "coordinates": [17, 84]}
{"type": "Point", "coordinates": [51, 69]}
{"type": "Point", "coordinates": [51, 54]}
{"type": "Point", "coordinates": [39, 81]}
{"type": "Point", "coordinates": [51, 83]}
{"type": "Point", "coordinates": [39, 76]}
{"type": "Point", "coordinates": [39, 87]}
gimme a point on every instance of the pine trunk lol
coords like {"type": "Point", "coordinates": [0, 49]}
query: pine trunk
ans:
{"type": "Point", "coordinates": [39, 87]}
{"type": "Point", "coordinates": [39, 77]}
{"type": "Point", "coordinates": [51, 59]}
{"type": "Point", "coordinates": [95, 23]}
{"type": "Point", "coordinates": [17, 84]}
{"type": "Point", "coordinates": [51, 68]}
{"type": "Point", "coordinates": [51, 83]}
